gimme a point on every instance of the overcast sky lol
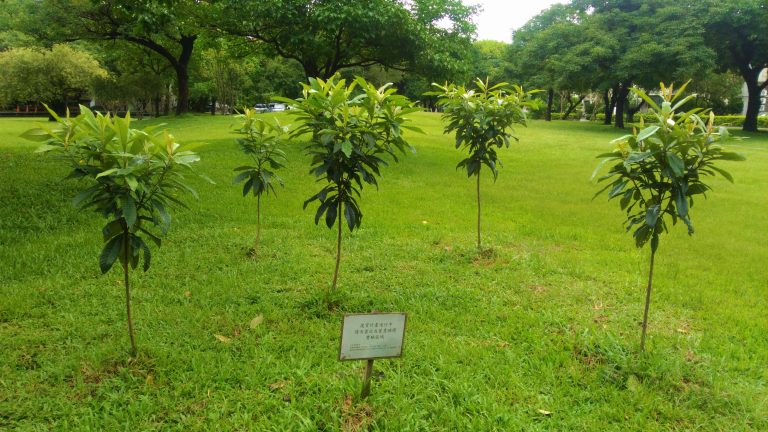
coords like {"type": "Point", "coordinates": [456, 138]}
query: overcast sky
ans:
{"type": "Point", "coordinates": [500, 17]}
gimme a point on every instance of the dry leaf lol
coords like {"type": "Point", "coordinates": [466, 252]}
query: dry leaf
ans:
{"type": "Point", "coordinates": [187, 294]}
{"type": "Point", "coordinates": [257, 321]}
{"type": "Point", "coordinates": [544, 412]}
{"type": "Point", "coordinates": [682, 330]}
{"type": "Point", "coordinates": [277, 385]}
{"type": "Point", "coordinates": [150, 379]}
{"type": "Point", "coordinates": [223, 338]}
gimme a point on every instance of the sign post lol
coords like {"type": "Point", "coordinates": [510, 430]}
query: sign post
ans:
{"type": "Point", "coordinates": [369, 337]}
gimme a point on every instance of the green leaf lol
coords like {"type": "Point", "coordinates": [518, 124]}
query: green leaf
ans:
{"type": "Point", "coordinates": [647, 132]}
{"type": "Point", "coordinates": [346, 148]}
{"type": "Point", "coordinates": [129, 209]}
{"type": "Point", "coordinates": [131, 182]}
{"type": "Point", "coordinates": [110, 253]}
{"type": "Point", "coordinates": [331, 213]}
{"type": "Point", "coordinates": [112, 229]}
{"type": "Point", "coordinates": [38, 134]}
{"type": "Point", "coordinates": [147, 256]}
{"type": "Point", "coordinates": [635, 157]}
{"type": "Point", "coordinates": [350, 215]}
{"type": "Point", "coordinates": [46, 148]}
{"type": "Point", "coordinates": [618, 187]}
{"type": "Point", "coordinates": [242, 176]}
{"type": "Point", "coordinates": [677, 164]}
{"type": "Point", "coordinates": [652, 215]}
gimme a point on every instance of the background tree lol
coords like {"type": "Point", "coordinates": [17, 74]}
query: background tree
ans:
{"type": "Point", "coordinates": [134, 177]}
{"type": "Point", "coordinates": [659, 170]}
{"type": "Point", "coordinates": [327, 36]}
{"type": "Point", "coordinates": [56, 76]}
{"type": "Point", "coordinates": [352, 128]}
{"type": "Point", "coordinates": [169, 28]}
{"type": "Point", "coordinates": [490, 60]}
{"type": "Point", "coordinates": [738, 32]}
{"type": "Point", "coordinates": [482, 119]}
{"type": "Point", "coordinates": [651, 44]}
{"type": "Point", "coordinates": [261, 141]}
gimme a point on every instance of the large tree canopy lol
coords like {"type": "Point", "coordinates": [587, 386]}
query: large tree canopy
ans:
{"type": "Point", "coordinates": [738, 32]}
{"type": "Point", "coordinates": [602, 44]}
{"type": "Point", "coordinates": [325, 36]}
{"type": "Point", "coordinates": [169, 28]}
{"type": "Point", "coordinates": [48, 76]}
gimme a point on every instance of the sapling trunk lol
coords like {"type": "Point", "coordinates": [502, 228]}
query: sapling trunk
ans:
{"type": "Point", "coordinates": [126, 280]}
{"type": "Point", "coordinates": [478, 210]}
{"type": "Point", "coordinates": [647, 301]}
{"type": "Point", "coordinates": [258, 226]}
{"type": "Point", "coordinates": [338, 248]}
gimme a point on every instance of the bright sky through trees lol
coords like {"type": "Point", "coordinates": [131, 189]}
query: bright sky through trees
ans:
{"type": "Point", "coordinates": [500, 17]}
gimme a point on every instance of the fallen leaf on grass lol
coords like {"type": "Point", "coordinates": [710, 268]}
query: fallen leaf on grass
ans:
{"type": "Point", "coordinates": [257, 321]}
{"type": "Point", "coordinates": [223, 339]}
{"type": "Point", "coordinates": [277, 385]}
{"type": "Point", "coordinates": [682, 330]}
{"type": "Point", "coordinates": [544, 412]}
{"type": "Point", "coordinates": [187, 294]}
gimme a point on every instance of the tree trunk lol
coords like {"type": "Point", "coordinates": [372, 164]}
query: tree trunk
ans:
{"type": "Point", "coordinates": [647, 301]}
{"type": "Point", "coordinates": [59, 107]}
{"type": "Point", "coordinates": [621, 102]}
{"type": "Point", "coordinates": [631, 111]}
{"type": "Point", "coordinates": [550, 100]}
{"type": "Point", "coordinates": [126, 280]}
{"type": "Point", "coordinates": [754, 90]}
{"type": "Point", "coordinates": [479, 246]}
{"type": "Point", "coordinates": [338, 252]}
{"type": "Point", "coordinates": [182, 102]}
{"type": "Point", "coordinates": [610, 103]}
{"type": "Point", "coordinates": [338, 244]}
{"type": "Point", "coordinates": [571, 107]}
{"type": "Point", "coordinates": [258, 226]}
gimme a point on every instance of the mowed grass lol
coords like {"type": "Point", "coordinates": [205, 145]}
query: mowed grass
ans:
{"type": "Point", "coordinates": [539, 333]}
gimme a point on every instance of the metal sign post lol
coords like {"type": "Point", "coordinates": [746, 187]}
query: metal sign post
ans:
{"type": "Point", "coordinates": [371, 336]}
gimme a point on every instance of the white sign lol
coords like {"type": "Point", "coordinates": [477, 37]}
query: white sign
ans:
{"type": "Point", "coordinates": [372, 336]}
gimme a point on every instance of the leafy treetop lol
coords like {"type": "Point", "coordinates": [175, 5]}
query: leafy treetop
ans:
{"type": "Point", "coordinates": [659, 169]}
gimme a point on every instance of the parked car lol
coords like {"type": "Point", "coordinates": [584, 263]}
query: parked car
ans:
{"type": "Point", "coordinates": [277, 107]}
{"type": "Point", "coordinates": [261, 108]}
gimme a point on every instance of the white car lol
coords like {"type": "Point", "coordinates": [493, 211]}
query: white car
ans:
{"type": "Point", "coordinates": [277, 107]}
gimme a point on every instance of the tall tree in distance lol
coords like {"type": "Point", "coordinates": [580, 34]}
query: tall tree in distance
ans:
{"type": "Point", "coordinates": [327, 36]}
{"type": "Point", "coordinates": [738, 32]}
{"type": "Point", "coordinates": [650, 44]}
{"type": "Point", "coordinates": [170, 28]}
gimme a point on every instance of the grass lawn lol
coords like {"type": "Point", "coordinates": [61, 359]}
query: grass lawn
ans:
{"type": "Point", "coordinates": [541, 333]}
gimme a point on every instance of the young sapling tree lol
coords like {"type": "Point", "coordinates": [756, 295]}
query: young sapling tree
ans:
{"type": "Point", "coordinates": [659, 169]}
{"type": "Point", "coordinates": [482, 118]}
{"type": "Point", "coordinates": [132, 177]}
{"type": "Point", "coordinates": [352, 127]}
{"type": "Point", "coordinates": [261, 141]}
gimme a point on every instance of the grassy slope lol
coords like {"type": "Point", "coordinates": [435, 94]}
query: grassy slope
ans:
{"type": "Point", "coordinates": [549, 320]}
